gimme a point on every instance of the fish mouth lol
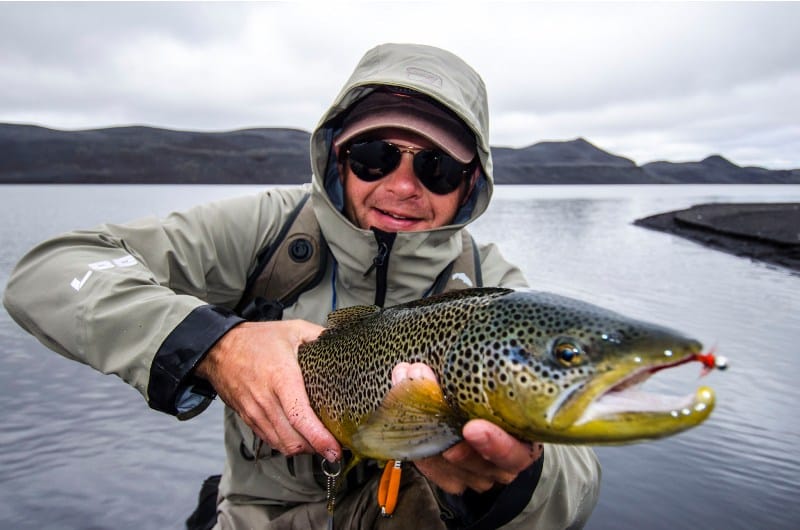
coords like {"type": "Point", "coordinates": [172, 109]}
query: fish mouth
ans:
{"type": "Point", "coordinates": [623, 412]}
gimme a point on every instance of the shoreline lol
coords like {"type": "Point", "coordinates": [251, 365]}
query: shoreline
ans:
{"type": "Point", "coordinates": [766, 232]}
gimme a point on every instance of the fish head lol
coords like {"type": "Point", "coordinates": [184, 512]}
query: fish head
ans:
{"type": "Point", "coordinates": [551, 368]}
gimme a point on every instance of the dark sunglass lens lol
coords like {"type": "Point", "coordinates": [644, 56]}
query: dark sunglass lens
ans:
{"type": "Point", "coordinates": [373, 160]}
{"type": "Point", "coordinates": [439, 172]}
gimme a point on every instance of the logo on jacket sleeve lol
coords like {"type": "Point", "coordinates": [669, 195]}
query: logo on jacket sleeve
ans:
{"type": "Point", "coordinates": [120, 263]}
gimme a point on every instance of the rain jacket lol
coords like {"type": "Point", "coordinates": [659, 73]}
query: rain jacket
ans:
{"type": "Point", "coordinates": [148, 299]}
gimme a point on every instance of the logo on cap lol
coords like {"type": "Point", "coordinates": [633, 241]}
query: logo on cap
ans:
{"type": "Point", "coordinates": [418, 74]}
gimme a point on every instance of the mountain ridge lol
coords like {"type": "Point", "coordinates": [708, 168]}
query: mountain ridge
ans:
{"type": "Point", "coordinates": [143, 154]}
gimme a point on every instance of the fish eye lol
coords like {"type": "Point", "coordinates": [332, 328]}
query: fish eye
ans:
{"type": "Point", "coordinates": [567, 353]}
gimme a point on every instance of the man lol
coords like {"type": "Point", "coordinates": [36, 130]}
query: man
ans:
{"type": "Point", "coordinates": [401, 163]}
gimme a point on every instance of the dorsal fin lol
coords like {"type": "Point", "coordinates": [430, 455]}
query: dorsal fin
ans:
{"type": "Point", "coordinates": [460, 294]}
{"type": "Point", "coordinates": [350, 315]}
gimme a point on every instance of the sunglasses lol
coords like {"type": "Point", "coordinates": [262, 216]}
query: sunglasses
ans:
{"type": "Point", "coordinates": [372, 160]}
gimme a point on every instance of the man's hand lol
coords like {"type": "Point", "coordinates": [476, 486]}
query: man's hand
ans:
{"type": "Point", "coordinates": [487, 456]}
{"type": "Point", "coordinates": [254, 369]}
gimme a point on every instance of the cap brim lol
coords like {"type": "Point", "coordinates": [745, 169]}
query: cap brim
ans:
{"type": "Point", "coordinates": [386, 111]}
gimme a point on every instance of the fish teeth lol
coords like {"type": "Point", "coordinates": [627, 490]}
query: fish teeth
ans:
{"type": "Point", "coordinates": [629, 400]}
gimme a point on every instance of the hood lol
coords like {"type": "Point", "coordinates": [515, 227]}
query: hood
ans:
{"type": "Point", "coordinates": [450, 81]}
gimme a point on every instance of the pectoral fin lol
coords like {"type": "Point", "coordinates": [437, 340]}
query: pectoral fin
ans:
{"type": "Point", "coordinates": [414, 421]}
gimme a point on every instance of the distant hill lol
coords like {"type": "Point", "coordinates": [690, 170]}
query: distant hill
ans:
{"type": "Point", "coordinates": [718, 170]}
{"type": "Point", "coordinates": [32, 154]}
{"type": "Point", "coordinates": [572, 162]}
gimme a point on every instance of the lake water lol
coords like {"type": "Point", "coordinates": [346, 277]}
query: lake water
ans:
{"type": "Point", "coordinates": [79, 450]}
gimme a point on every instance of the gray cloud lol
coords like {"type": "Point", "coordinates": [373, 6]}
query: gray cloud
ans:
{"type": "Point", "coordinates": [649, 81]}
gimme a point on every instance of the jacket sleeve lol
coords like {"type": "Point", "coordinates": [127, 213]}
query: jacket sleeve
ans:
{"type": "Point", "coordinates": [558, 491]}
{"type": "Point", "coordinates": [147, 299]}
{"type": "Point", "coordinates": [567, 491]}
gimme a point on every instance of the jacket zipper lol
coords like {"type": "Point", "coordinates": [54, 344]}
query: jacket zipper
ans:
{"type": "Point", "coordinates": [380, 264]}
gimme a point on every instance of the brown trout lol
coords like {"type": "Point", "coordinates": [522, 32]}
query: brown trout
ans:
{"type": "Point", "coordinates": [542, 366]}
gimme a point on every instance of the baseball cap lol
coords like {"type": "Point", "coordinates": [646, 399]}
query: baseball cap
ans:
{"type": "Point", "coordinates": [380, 110]}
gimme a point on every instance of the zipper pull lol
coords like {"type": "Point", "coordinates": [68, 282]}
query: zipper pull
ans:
{"type": "Point", "coordinates": [379, 259]}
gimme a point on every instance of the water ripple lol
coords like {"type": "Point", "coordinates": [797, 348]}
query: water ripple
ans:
{"type": "Point", "coordinates": [90, 445]}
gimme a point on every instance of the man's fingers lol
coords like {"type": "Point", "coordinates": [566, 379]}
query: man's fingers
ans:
{"type": "Point", "coordinates": [305, 423]}
{"type": "Point", "coordinates": [307, 331]}
{"type": "Point", "coordinates": [291, 433]}
{"type": "Point", "coordinates": [279, 435]}
{"type": "Point", "coordinates": [463, 456]}
{"type": "Point", "coordinates": [412, 371]}
{"type": "Point", "coordinates": [499, 447]}
{"type": "Point", "coordinates": [258, 376]}
{"type": "Point", "coordinates": [269, 423]}
{"type": "Point", "coordinates": [421, 371]}
{"type": "Point", "coordinates": [400, 372]}
{"type": "Point", "coordinates": [453, 478]}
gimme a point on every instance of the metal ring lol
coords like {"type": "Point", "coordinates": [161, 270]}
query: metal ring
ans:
{"type": "Point", "coordinates": [332, 474]}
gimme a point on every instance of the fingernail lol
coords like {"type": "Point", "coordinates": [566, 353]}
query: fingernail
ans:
{"type": "Point", "coordinates": [481, 441]}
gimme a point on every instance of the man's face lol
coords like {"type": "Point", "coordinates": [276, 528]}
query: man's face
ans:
{"type": "Point", "coordinates": [398, 202]}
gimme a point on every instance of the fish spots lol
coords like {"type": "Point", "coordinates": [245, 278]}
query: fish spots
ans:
{"type": "Point", "coordinates": [492, 353]}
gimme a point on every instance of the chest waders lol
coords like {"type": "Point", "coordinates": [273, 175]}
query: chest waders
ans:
{"type": "Point", "coordinates": [291, 265]}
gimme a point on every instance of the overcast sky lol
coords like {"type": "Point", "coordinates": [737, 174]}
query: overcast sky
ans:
{"type": "Point", "coordinates": [663, 81]}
